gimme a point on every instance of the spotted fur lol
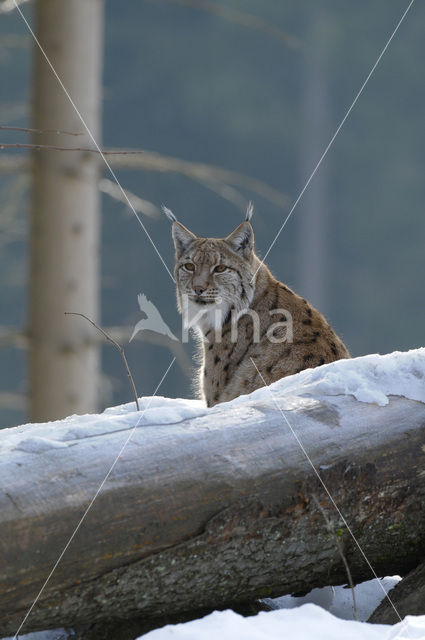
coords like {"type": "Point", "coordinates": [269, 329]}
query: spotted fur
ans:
{"type": "Point", "coordinates": [221, 286]}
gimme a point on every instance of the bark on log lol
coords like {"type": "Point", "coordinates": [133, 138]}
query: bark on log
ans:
{"type": "Point", "coordinates": [210, 511]}
{"type": "Point", "coordinates": [408, 598]}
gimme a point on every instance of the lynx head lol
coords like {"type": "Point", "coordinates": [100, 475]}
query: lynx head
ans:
{"type": "Point", "coordinates": [214, 276]}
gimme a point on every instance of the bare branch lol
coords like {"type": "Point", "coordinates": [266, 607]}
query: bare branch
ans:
{"type": "Point", "coordinates": [139, 204]}
{"type": "Point", "coordinates": [242, 18]}
{"type": "Point", "coordinates": [27, 130]}
{"type": "Point", "coordinates": [123, 334]}
{"type": "Point", "coordinates": [18, 338]}
{"type": "Point", "coordinates": [50, 147]}
{"type": "Point", "coordinates": [138, 159]}
{"type": "Point", "coordinates": [12, 400]}
{"type": "Point", "coordinates": [11, 163]}
{"type": "Point", "coordinates": [11, 337]}
{"type": "Point", "coordinates": [118, 346]}
{"type": "Point", "coordinates": [341, 553]}
{"type": "Point", "coordinates": [205, 173]}
{"type": "Point", "coordinates": [9, 5]}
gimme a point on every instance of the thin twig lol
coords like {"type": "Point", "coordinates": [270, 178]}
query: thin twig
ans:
{"type": "Point", "coordinates": [118, 346]}
{"type": "Point", "coordinates": [139, 204]}
{"type": "Point", "coordinates": [19, 339]}
{"type": "Point", "coordinates": [27, 130]}
{"type": "Point", "coordinates": [201, 172]}
{"type": "Point", "coordinates": [341, 553]}
{"type": "Point", "coordinates": [50, 147]}
{"type": "Point", "coordinates": [143, 160]}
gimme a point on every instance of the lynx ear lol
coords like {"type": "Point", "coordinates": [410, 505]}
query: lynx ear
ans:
{"type": "Point", "coordinates": [182, 237]}
{"type": "Point", "coordinates": [242, 239]}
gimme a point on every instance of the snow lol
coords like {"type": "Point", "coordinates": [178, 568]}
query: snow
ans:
{"type": "Point", "coordinates": [316, 616]}
{"type": "Point", "coordinates": [38, 438]}
{"type": "Point", "coordinates": [294, 618]}
{"type": "Point", "coordinates": [34, 444]}
{"type": "Point", "coordinates": [371, 379]}
{"type": "Point", "coordinates": [323, 614]}
{"type": "Point", "coordinates": [339, 600]}
{"type": "Point", "coordinates": [308, 622]}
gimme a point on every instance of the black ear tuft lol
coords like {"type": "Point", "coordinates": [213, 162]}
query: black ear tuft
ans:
{"type": "Point", "coordinates": [170, 215]}
{"type": "Point", "coordinates": [249, 211]}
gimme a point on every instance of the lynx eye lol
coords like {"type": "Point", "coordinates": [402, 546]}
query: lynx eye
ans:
{"type": "Point", "coordinates": [189, 266]}
{"type": "Point", "coordinates": [220, 268]}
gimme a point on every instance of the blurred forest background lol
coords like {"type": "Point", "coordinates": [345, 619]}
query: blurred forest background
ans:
{"type": "Point", "coordinates": [256, 88]}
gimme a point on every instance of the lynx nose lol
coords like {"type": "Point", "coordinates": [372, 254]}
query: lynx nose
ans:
{"type": "Point", "coordinates": [198, 290]}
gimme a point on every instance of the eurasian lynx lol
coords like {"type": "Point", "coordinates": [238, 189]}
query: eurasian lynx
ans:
{"type": "Point", "coordinates": [243, 316]}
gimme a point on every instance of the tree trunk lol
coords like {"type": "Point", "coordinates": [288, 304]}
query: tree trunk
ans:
{"type": "Point", "coordinates": [206, 512]}
{"type": "Point", "coordinates": [65, 215]}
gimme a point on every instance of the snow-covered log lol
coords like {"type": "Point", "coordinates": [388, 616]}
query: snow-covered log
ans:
{"type": "Point", "coordinates": [208, 507]}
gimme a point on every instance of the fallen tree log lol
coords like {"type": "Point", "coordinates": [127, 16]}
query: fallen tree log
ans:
{"type": "Point", "coordinates": [206, 512]}
{"type": "Point", "coordinates": [407, 599]}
